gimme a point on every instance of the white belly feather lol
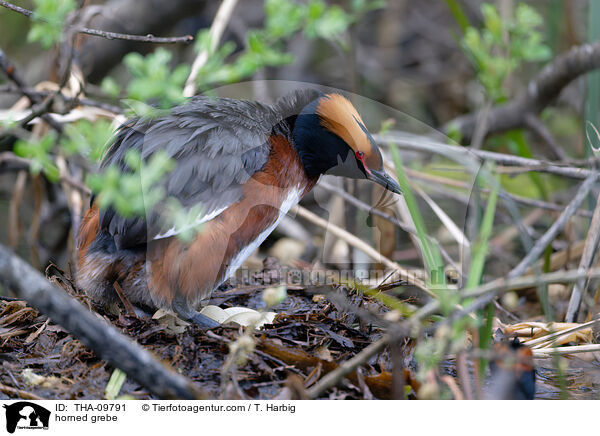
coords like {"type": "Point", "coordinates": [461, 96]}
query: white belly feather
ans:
{"type": "Point", "coordinates": [290, 201]}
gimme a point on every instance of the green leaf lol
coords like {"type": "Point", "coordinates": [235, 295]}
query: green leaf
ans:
{"type": "Point", "coordinates": [459, 16]}
{"type": "Point", "coordinates": [283, 18]}
{"type": "Point", "coordinates": [38, 151]}
{"type": "Point", "coordinates": [110, 87]}
{"type": "Point", "coordinates": [431, 254]}
{"type": "Point", "coordinates": [332, 22]}
{"type": "Point", "coordinates": [48, 21]}
{"type": "Point", "coordinates": [492, 20]}
{"type": "Point", "coordinates": [481, 245]}
{"type": "Point", "coordinates": [86, 138]}
{"type": "Point", "coordinates": [115, 383]}
{"type": "Point", "coordinates": [501, 46]}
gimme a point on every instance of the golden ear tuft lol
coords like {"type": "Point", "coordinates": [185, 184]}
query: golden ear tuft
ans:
{"type": "Point", "coordinates": [339, 116]}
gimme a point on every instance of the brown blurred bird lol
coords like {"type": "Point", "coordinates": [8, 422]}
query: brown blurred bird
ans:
{"type": "Point", "coordinates": [246, 164]}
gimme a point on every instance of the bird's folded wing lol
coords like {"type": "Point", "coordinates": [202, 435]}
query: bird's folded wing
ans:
{"type": "Point", "coordinates": [216, 144]}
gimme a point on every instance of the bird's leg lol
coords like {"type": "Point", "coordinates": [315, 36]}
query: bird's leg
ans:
{"type": "Point", "coordinates": [182, 308]}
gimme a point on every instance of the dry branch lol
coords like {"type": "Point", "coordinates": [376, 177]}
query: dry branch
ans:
{"type": "Point", "coordinates": [83, 101]}
{"type": "Point", "coordinates": [216, 32]}
{"type": "Point", "coordinates": [345, 368]}
{"type": "Point", "coordinates": [103, 338]}
{"type": "Point", "coordinates": [587, 257]}
{"type": "Point", "coordinates": [541, 92]}
{"type": "Point", "coordinates": [10, 161]}
{"type": "Point", "coordinates": [110, 35]}
{"type": "Point", "coordinates": [562, 351]}
{"type": "Point", "coordinates": [555, 228]}
{"type": "Point", "coordinates": [39, 104]}
{"type": "Point", "coordinates": [427, 179]}
{"type": "Point", "coordinates": [470, 157]}
{"type": "Point", "coordinates": [361, 245]}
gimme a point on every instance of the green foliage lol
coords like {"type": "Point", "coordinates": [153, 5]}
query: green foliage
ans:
{"type": "Point", "coordinates": [132, 193]}
{"type": "Point", "coordinates": [153, 79]}
{"type": "Point", "coordinates": [183, 220]}
{"type": "Point", "coordinates": [481, 244]}
{"type": "Point", "coordinates": [501, 46]}
{"type": "Point", "coordinates": [86, 139]}
{"type": "Point", "coordinates": [284, 18]}
{"type": "Point", "coordinates": [458, 14]}
{"type": "Point", "coordinates": [266, 47]}
{"type": "Point", "coordinates": [38, 152]}
{"type": "Point", "coordinates": [115, 383]}
{"type": "Point", "coordinates": [110, 87]}
{"type": "Point", "coordinates": [48, 21]}
{"type": "Point", "coordinates": [323, 21]}
{"type": "Point", "coordinates": [454, 133]}
{"type": "Point", "coordinates": [259, 53]}
{"type": "Point", "coordinates": [431, 254]}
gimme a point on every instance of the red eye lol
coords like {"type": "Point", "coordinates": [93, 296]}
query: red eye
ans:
{"type": "Point", "coordinates": [359, 155]}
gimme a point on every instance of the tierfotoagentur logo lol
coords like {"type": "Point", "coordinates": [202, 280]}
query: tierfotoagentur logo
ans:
{"type": "Point", "coordinates": [25, 415]}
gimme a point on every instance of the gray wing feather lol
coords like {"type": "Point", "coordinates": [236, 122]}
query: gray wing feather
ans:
{"type": "Point", "coordinates": [217, 145]}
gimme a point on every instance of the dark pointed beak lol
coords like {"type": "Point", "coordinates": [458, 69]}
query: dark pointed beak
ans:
{"type": "Point", "coordinates": [384, 179]}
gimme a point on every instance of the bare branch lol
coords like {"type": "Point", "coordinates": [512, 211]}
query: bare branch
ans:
{"type": "Point", "coordinates": [537, 126]}
{"type": "Point", "coordinates": [40, 105]}
{"type": "Point", "coordinates": [541, 92]}
{"type": "Point", "coordinates": [555, 228]}
{"type": "Point", "coordinates": [503, 284]}
{"type": "Point", "coordinates": [83, 101]}
{"type": "Point", "coordinates": [8, 160]}
{"type": "Point", "coordinates": [468, 155]}
{"type": "Point", "coordinates": [137, 38]}
{"type": "Point", "coordinates": [106, 340]}
{"type": "Point", "coordinates": [110, 35]}
{"type": "Point", "coordinates": [345, 368]}
{"type": "Point", "coordinates": [355, 242]}
{"type": "Point", "coordinates": [216, 31]}
{"type": "Point", "coordinates": [587, 257]}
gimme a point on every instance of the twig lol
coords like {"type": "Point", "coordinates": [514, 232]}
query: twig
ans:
{"type": "Point", "coordinates": [451, 383]}
{"type": "Point", "coordinates": [106, 340]}
{"type": "Point", "coordinates": [333, 378]}
{"type": "Point", "coordinates": [84, 101]}
{"type": "Point", "coordinates": [361, 245]}
{"type": "Point", "coordinates": [186, 39]}
{"type": "Point", "coordinates": [364, 206]}
{"type": "Point", "coordinates": [533, 254]}
{"type": "Point", "coordinates": [110, 35]}
{"type": "Point", "coordinates": [543, 352]}
{"type": "Point", "coordinates": [374, 211]}
{"type": "Point", "coordinates": [501, 285]}
{"type": "Point", "coordinates": [558, 334]}
{"type": "Point", "coordinates": [525, 201]}
{"type": "Point", "coordinates": [589, 250]}
{"type": "Point", "coordinates": [452, 228]}
{"type": "Point", "coordinates": [468, 156]}
{"type": "Point", "coordinates": [8, 158]}
{"type": "Point", "coordinates": [128, 306]}
{"type": "Point", "coordinates": [560, 258]}
{"type": "Point", "coordinates": [8, 390]}
{"type": "Point", "coordinates": [216, 32]}
{"type": "Point", "coordinates": [40, 105]}
{"type": "Point", "coordinates": [555, 228]}
{"type": "Point", "coordinates": [537, 126]}
{"type": "Point", "coordinates": [541, 91]}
